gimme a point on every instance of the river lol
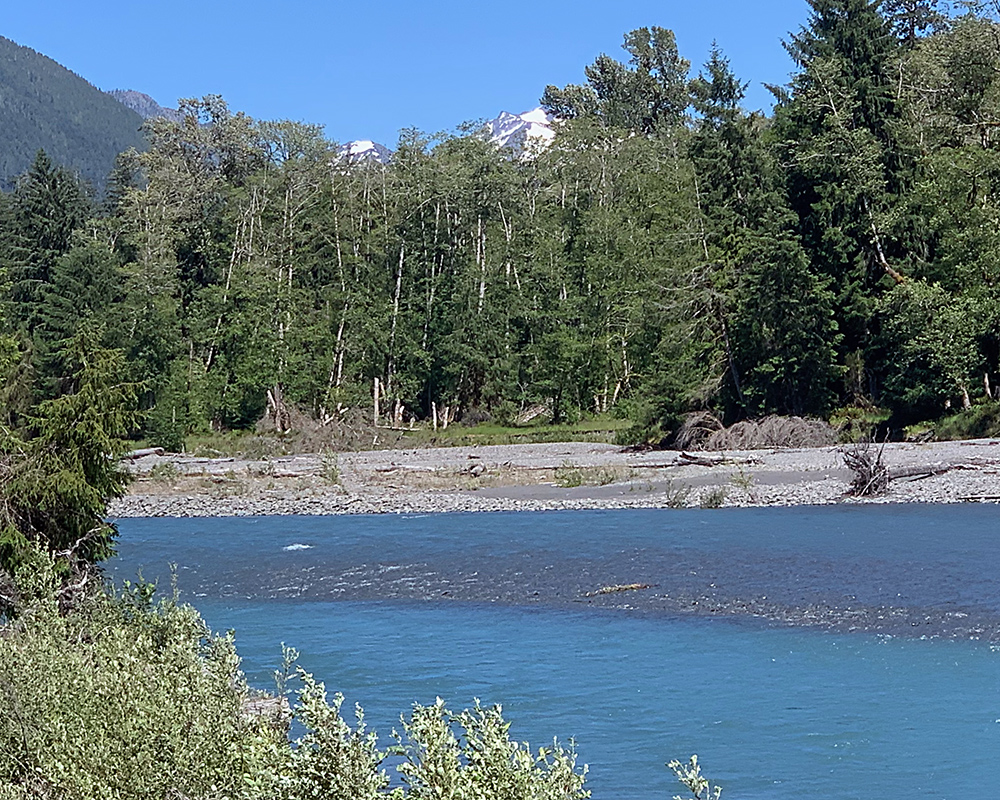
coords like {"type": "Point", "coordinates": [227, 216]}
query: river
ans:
{"type": "Point", "coordinates": [834, 652]}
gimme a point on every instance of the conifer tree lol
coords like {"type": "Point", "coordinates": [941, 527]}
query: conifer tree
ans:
{"type": "Point", "coordinates": [83, 291]}
{"type": "Point", "coordinates": [773, 316]}
{"type": "Point", "coordinates": [839, 143]}
{"type": "Point", "coordinates": [61, 468]}
{"type": "Point", "coordinates": [47, 206]}
{"type": "Point", "coordinates": [912, 19]}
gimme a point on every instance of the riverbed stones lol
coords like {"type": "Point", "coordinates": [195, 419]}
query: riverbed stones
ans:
{"type": "Point", "coordinates": [541, 477]}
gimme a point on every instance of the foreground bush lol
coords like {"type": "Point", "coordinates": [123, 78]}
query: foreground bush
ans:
{"type": "Point", "coordinates": [124, 698]}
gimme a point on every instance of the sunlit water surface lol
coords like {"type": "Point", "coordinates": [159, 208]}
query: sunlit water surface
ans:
{"type": "Point", "coordinates": [394, 610]}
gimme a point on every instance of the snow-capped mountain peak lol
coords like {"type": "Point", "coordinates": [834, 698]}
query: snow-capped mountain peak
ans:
{"type": "Point", "coordinates": [522, 134]}
{"type": "Point", "coordinates": [530, 130]}
{"type": "Point", "coordinates": [363, 151]}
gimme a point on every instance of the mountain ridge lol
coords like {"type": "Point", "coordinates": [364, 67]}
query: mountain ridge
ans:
{"type": "Point", "coordinates": [522, 134]}
{"type": "Point", "coordinates": [45, 106]}
{"type": "Point", "coordinates": [144, 105]}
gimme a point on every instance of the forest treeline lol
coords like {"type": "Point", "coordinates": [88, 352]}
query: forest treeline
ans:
{"type": "Point", "coordinates": [669, 252]}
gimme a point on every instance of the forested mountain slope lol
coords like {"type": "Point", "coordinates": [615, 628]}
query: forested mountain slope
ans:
{"type": "Point", "coordinates": [43, 105]}
{"type": "Point", "coordinates": [144, 105]}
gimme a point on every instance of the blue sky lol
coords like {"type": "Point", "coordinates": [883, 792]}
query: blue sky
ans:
{"type": "Point", "coordinates": [364, 70]}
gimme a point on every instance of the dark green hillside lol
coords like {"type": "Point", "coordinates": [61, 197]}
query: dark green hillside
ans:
{"type": "Point", "coordinates": [45, 106]}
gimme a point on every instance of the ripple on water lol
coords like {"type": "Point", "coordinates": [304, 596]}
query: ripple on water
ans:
{"type": "Point", "coordinates": [783, 704]}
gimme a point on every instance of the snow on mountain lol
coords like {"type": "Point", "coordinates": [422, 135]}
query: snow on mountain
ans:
{"type": "Point", "coordinates": [364, 151]}
{"type": "Point", "coordinates": [531, 130]}
{"type": "Point", "coordinates": [522, 134]}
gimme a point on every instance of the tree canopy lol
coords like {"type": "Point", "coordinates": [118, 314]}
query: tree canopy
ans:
{"type": "Point", "coordinates": [669, 252]}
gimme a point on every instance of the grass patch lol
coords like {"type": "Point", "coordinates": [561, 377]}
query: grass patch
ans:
{"type": "Point", "coordinates": [164, 473]}
{"type": "Point", "coordinates": [251, 445]}
{"type": "Point", "coordinates": [677, 494]}
{"type": "Point", "coordinates": [978, 422]}
{"type": "Point", "coordinates": [713, 498]}
{"type": "Point", "coordinates": [601, 429]}
{"type": "Point", "coordinates": [233, 444]}
{"type": "Point", "coordinates": [744, 482]}
{"type": "Point", "coordinates": [569, 476]}
{"type": "Point", "coordinates": [330, 468]}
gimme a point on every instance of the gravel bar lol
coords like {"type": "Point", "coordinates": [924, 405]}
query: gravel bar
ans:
{"type": "Point", "coordinates": [542, 477]}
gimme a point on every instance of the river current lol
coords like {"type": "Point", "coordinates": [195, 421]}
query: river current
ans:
{"type": "Point", "coordinates": [835, 652]}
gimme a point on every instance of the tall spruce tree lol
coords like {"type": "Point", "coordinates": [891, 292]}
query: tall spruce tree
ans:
{"type": "Point", "coordinates": [82, 293]}
{"type": "Point", "coordinates": [48, 204]}
{"type": "Point", "coordinates": [840, 145]}
{"type": "Point", "coordinates": [912, 19]}
{"type": "Point", "coordinates": [773, 317]}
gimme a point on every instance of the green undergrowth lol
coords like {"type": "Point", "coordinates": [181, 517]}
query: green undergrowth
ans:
{"type": "Point", "coordinates": [602, 429]}
{"type": "Point", "coordinates": [979, 422]}
{"type": "Point", "coordinates": [127, 697]}
{"type": "Point", "coordinates": [855, 422]}
{"type": "Point", "coordinates": [246, 444]}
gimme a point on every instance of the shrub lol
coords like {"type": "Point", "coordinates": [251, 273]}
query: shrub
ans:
{"type": "Point", "coordinates": [127, 698]}
{"type": "Point", "coordinates": [471, 755]}
{"type": "Point", "coordinates": [330, 468]}
{"type": "Point", "coordinates": [713, 498]}
{"type": "Point", "coordinates": [122, 698]}
{"type": "Point", "coordinates": [694, 781]}
{"type": "Point", "coordinates": [982, 421]}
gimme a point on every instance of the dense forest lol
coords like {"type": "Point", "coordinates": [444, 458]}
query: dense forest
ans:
{"type": "Point", "coordinates": [669, 252]}
{"type": "Point", "coordinates": [44, 105]}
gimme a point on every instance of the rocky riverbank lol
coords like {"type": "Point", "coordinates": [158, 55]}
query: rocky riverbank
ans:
{"type": "Point", "coordinates": [538, 477]}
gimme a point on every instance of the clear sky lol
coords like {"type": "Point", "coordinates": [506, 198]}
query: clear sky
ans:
{"type": "Point", "coordinates": [366, 70]}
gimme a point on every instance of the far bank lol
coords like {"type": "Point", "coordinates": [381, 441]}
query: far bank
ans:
{"type": "Point", "coordinates": [536, 477]}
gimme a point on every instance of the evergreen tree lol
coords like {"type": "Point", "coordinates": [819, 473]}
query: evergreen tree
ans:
{"type": "Point", "coordinates": [47, 206]}
{"type": "Point", "coordinates": [646, 95]}
{"type": "Point", "coordinates": [912, 19]}
{"type": "Point", "coordinates": [784, 331]}
{"type": "Point", "coordinates": [62, 468]}
{"type": "Point", "coordinates": [83, 292]}
{"type": "Point", "coordinates": [839, 141]}
{"type": "Point", "coordinates": [773, 316]}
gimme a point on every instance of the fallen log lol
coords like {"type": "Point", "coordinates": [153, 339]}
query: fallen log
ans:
{"type": "Point", "coordinates": [719, 461]}
{"type": "Point", "coordinates": [921, 473]}
{"type": "Point", "coordinates": [142, 453]}
{"type": "Point", "coordinates": [931, 470]}
{"type": "Point", "coordinates": [619, 587]}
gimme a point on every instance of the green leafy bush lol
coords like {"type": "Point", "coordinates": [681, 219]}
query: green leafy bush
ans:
{"type": "Point", "coordinates": [713, 498]}
{"type": "Point", "coordinates": [127, 698]}
{"type": "Point", "coordinates": [122, 698]}
{"type": "Point", "coordinates": [471, 755]}
{"type": "Point", "coordinates": [982, 421]}
{"type": "Point", "coordinates": [694, 781]}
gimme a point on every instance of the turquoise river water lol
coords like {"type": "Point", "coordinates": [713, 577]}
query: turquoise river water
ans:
{"type": "Point", "coordinates": [819, 653]}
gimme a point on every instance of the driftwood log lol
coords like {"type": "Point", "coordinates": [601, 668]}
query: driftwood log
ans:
{"type": "Point", "coordinates": [146, 451]}
{"type": "Point", "coordinates": [715, 461]}
{"type": "Point", "coordinates": [920, 473]}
